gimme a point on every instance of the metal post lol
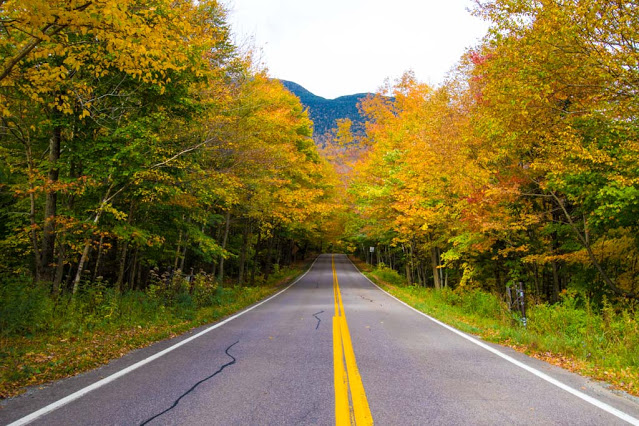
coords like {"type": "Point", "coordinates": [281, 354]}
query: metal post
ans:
{"type": "Point", "coordinates": [522, 303]}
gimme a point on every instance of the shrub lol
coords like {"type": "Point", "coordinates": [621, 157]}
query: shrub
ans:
{"type": "Point", "coordinates": [387, 274]}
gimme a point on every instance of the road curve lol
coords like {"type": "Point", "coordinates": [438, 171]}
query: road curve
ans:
{"type": "Point", "coordinates": [274, 364]}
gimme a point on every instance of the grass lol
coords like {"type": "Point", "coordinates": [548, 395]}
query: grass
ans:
{"type": "Point", "coordinates": [602, 344]}
{"type": "Point", "coordinates": [42, 340]}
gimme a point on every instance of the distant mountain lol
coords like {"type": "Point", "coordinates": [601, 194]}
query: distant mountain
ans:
{"type": "Point", "coordinates": [324, 111]}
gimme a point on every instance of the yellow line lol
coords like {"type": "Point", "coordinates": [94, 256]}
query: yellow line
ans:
{"type": "Point", "coordinates": [346, 376]}
{"type": "Point", "coordinates": [335, 291]}
{"type": "Point", "coordinates": [361, 409]}
{"type": "Point", "coordinates": [342, 411]}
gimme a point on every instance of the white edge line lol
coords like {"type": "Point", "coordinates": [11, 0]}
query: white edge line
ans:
{"type": "Point", "coordinates": [597, 403]}
{"type": "Point", "coordinates": [80, 393]}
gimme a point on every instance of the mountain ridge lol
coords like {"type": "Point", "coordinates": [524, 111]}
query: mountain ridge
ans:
{"type": "Point", "coordinates": [324, 112]}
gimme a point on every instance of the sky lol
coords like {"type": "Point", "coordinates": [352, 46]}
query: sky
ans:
{"type": "Point", "coordinates": [342, 47]}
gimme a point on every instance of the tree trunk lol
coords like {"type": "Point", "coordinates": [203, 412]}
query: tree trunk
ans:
{"type": "Point", "coordinates": [122, 265]}
{"type": "Point", "coordinates": [32, 214]}
{"type": "Point", "coordinates": [183, 258]}
{"type": "Point", "coordinates": [138, 281]}
{"type": "Point", "coordinates": [409, 277]}
{"type": "Point", "coordinates": [134, 268]}
{"type": "Point", "coordinates": [585, 240]}
{"type": "Point", "coordinates": [536, 274]}
{"type": "Point", "coordinates": [256, 258]}
{"type": "Point", "coordinates": [87, 241]}
{"type": "Point", "coordinates": [555, 282]}
{"type": "Point", "coordinates": [411, 253]}
{"type": "Point", "coordinates": [278, 250]}
{"type": "Point", "coordinates": [435, 264]}
{"type": "Point", "coordinates": [34, 237]}
{"type": "Point", "coordinates": [269, 258]}
{"type": "Point", "coordinates": [98, 260]}
{"type": "Point", "coordinates": [48, 231]}
{"type": "Point", "coordinates": [243, 252]}
{"type": "Point", "coordinates": [178, 250]}
{"type": "Point", "coordinates": [83, 259]}
{"type": "Point", "coordinates": [227, 226]}
{"type": "Point", "coordinates": [59, 273]}
{"type": "Point", "coordinates": [440, 268]}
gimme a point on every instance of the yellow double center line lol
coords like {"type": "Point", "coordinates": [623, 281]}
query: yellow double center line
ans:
{"type": "Point", "coordinates": [346, 373]}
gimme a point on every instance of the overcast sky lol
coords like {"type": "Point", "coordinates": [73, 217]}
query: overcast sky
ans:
{"type": "Point", "coordinates": [342, 47]}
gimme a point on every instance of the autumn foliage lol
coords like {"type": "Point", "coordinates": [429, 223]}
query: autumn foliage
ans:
{"type": "Point", "coordinates": [136, 139]}
{"type": "Point", "coordinates": [521, 167]}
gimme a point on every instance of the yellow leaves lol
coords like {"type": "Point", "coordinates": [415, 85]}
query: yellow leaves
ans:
{"type": "Point", "coordinates": [137, 38]}
{"type": "Point", "coordinates": [117, 214]}
{"type": "Point", "coordinates": [414, 168]}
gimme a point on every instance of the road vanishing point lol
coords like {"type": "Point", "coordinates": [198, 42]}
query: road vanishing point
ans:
{"type": "Point", "coordinates": [332, 348]}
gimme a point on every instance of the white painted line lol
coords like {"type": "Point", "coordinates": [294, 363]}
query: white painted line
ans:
{"type": "Point", "coordinates": [78, 394]}
{"type": "Point", "coordinates": [597, 403]}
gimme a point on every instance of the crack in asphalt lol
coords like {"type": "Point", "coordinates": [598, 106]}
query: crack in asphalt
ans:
{"type": "Point", "coordinates": [317, 318]}
{"type": "Point", "coordinates": [177, 401]}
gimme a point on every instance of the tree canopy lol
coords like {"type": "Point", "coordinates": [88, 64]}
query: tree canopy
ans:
{"type": "Point", "coordinates": [135, 136]}
{"type": "Point", "coordinates": [522, 166]}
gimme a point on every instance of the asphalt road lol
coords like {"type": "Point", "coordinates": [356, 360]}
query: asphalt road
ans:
{"type": "Point", "coordinates": [275, 365]}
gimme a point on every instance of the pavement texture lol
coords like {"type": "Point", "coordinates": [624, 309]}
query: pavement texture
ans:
{"type": "Point", "coordinates": [274, 365]}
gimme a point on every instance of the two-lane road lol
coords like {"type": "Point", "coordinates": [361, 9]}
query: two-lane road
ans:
{"type": "Point", "coordinates": [277, 364]}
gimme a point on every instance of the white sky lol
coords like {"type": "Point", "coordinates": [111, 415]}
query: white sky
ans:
{"type": "Point", "coordinates": [342, 47]}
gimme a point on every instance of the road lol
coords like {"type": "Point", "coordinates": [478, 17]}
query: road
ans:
{"type": "Point", "coordinates": [290, 361]}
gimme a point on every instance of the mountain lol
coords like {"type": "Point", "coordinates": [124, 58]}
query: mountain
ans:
{"type": "Point", "coordinates": [324, 111]}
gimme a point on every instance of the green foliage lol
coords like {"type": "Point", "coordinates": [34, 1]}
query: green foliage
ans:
{"type": "Point", "coordinates": [25, 308]}
{"type": "Point", "coordinates": [28, 309]}
{"type": "Point", "coordinates": [609, 336]}
{"type": "Point", "coordinates": [387, 274]}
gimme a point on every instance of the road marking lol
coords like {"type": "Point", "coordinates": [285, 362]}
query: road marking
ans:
{"type": "Point", "coordinates": [597, 403]}
{"type": "Point", "coordinates": [342, 410]}
{"type": "Point", "coordinates": [78, 394]}
{"type": "Point", "coordinates": [345, 367]}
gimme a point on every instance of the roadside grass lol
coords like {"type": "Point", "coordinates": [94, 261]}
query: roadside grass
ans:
{"type": "Point", "coordinates": [42, 340]}
{"type": "Point", "coordinates": [602, 344]}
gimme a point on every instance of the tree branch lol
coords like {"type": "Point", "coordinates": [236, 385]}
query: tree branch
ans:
{"type": "Point", "coordinates": [181, 153]}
